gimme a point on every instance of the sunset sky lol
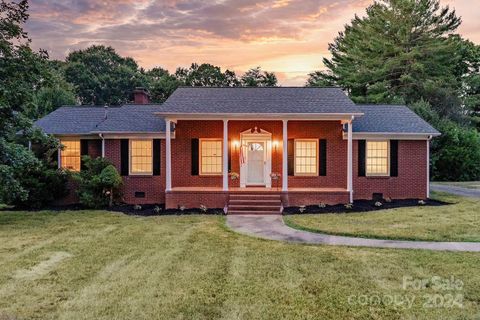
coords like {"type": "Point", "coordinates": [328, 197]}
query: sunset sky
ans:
{"type": "Point", "coordinates": [289, 37]}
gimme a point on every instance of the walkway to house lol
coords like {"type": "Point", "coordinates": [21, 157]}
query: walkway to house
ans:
{"type": "Point", "coordinates": [464, 192]}
{"type": "Point", "coordinates": [272, 227]}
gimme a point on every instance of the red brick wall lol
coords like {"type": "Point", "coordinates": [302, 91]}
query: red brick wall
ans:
{"type": "Point", "coordinates": [412, 174]}
{"type": "Point", "coordinates": [336, 153]}
{"type": "Point", "coordinates": [194, 199]}
{"type": "Point", "coordinates": [153, 186]}
{"type": "Point", "coordinates": [94, 151]}
{"type": "Point", "coordinates": [182, 153]}
{"type": "Point", "coordinates": [410, 183]}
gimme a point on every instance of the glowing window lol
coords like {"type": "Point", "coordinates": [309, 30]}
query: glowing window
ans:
{"type": "Point", "coordinates": [70, 155]}
{"type": "Point", "coordinates": [306, 157]}
{"type": "Point", "coordinates": [141, 157]}
{"type": "Point", "coordinates": [210, 157]}
{"type": "Point", "coordinates": [377, 158]}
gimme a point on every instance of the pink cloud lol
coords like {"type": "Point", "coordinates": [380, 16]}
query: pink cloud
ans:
{"type": "Point", "coordinates": [288, 36]}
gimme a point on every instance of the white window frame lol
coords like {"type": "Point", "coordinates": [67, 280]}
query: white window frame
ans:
{"type": "Point", "coordinates": [61, 155]}
{"type": "Point", "coordinates": [295, 158]}
{"type": "Point", "coordinates": [388, 159]}
{"type": "Point", "coordinates": [200, 157]}
{"type": "Point", "coordinates": [150, 173]}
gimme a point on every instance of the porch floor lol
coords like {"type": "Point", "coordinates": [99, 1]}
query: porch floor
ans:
{"type": "Point", "coordinates": [258, 189]}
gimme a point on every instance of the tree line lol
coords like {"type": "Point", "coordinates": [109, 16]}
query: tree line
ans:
{"type": "Point", "coordinates": [401, 51]}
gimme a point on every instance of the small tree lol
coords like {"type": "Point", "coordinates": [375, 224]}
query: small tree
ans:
{"type": "Point", "coordinates": [111, 181]}
{"type": "Point", "coordinates": [99, 183]}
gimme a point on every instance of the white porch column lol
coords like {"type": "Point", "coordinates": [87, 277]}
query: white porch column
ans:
{"type": "Point", "coordinates": [349, 161]}
{"type": "Point", "coordinates": [285, 157]}
{"type": "Point", "coordinates": [225, 155]}
{"type": "Point", "coordinates": [103, 147]}
{"type": "Point", "coordinates": [428, 168]}
{"type": "Point", "coordinates": [168, 156]}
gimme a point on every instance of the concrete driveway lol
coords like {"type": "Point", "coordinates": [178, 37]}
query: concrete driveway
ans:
{"type": "Point", "coordinates": [464, 192]}
{"type": "Point", "coordinates": [272, 227]}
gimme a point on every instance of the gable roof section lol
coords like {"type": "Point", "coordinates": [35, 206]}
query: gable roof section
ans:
{"type": "Point", "coordinates": [81, 120]}
{"type": "Point", "coordinates": [258, 100]}
{"type": "Point", "coordinates": [132, 119]}
{"type": "Point", "coordinates": [71, 120]}
{"type": "Point", "coordinates": [391, 119]}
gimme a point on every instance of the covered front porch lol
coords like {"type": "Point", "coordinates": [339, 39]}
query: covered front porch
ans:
{"type": "Point", "coordinates": [303, 161]}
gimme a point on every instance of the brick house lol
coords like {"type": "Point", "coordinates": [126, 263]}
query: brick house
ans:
{"type": "Point", "coordinates": [250, 149]}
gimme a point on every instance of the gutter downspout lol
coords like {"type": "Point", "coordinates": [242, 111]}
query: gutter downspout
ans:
{"type": "Point", "coordinates": [103, 144]}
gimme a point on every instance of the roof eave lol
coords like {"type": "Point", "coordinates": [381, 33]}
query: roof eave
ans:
{"type": "Point", "coordinates": [393, 135]}
{"type": "Point", "coordinates": [256, 116]}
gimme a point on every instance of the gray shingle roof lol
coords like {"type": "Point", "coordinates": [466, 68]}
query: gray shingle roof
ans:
{"type": "Point", "coordinates": [71, 120]}
{"type": "Point", "coordinates": [240, 100]}
{"type": "Point", "coordinates": [390, 119]}
{"type": "Point", "coordinates": [133, 118]}
{"type": "Point", "coordinates": [91, 119]}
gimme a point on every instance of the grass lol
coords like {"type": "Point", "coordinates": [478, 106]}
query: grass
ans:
{"type": "Point", "coordinates": [466, 184]}
{"type": "Point", "coordinates": [103, 265]}
{"type": "Point", "coordinates": [459, 221]}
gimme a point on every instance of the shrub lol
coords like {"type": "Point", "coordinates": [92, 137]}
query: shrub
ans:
{"type": "Point", "coordinates": [27, 181]}
{"type": "Point", "coordinates": [302, 209]}
{"type": "Point", "coordinates": [99, 183]}
{"type": "Point", "coordinates": [455, 155]}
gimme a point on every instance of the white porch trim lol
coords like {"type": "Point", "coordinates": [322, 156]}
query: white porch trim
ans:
{"type": "Point", "coordinates": [428, 168]}
{"type": "Point", "coordinates": [285, 156]}
{"type": "Point", "coordinates": [350, 161]}
{"type": "Point", "coordinates": [225, 155]}
{"type": "Point", "coordinates": [168, 156]}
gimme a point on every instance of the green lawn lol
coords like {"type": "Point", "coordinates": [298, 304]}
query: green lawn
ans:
{"type": "Point", "coordinates": [459, 221]}
{"type": "Point", "coordinates": [102, 265]}
{"type": "Point", "coordinates": [466, 184]}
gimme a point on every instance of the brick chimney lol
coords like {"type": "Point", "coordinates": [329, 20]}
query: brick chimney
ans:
{"type": "Point", "coordinates": [141, 96]}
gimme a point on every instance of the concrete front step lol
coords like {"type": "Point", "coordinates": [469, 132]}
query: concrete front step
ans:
{"type": "Point", "coordinates": [257, 201]}
{"type": "Point", "coordinates": [254, 203]}
{"type": "Point", "coordinates": [254, 207]}
{"type": "Point", "coordinates": [254, 196]}
{"type": "Point", "coordinates": [252, 212]}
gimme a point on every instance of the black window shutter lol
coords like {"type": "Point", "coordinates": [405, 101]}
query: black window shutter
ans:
{"type": "Point", "coordinates": [291, 156]}
{"type": "Point", "coordinates": [124, 157]}
{"type": "Point", "coordinates": [229, 156]}
{"type": "Point", "coordinates": [83, 152]}
{"type": "Point", "coordinates": [194, 157]}
{"type": "Point", "coordinates": [323, 157]}
{"type": "Point", "coordinates": [393, 158]}
{"type": "Point", "coordinates": [361, 158]}
{"type": "Point", "coordinates": [156, 157]}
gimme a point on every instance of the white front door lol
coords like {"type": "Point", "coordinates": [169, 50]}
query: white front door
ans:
{"type": "Point", "coordinates": [256, 163]}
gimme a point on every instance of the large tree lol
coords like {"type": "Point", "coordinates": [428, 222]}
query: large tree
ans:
{"type": "Point", "coordinates": [255, 77]}
{"type": "Point", "coordinates": [206, 75]}
{"type": "Point", "coordinates": [401, 51]}
{"type": "Point", "coordinates": [24, 178]}
{"type": "Point", "coordinates": [161, 84]}
{"type": "Point", "coordinates": [101, 76]}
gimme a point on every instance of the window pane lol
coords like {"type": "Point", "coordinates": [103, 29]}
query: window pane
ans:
{"type": "Point", "coordinates": [70, 155]}
{"type": "Point", "coordinates": [141, 156]}
{"type": "Point", "coordinates": [377, 158]}
{"type": "Point", "coordinates": [211, 156]}
{"type": "Point", "coordinates": [306, 157]}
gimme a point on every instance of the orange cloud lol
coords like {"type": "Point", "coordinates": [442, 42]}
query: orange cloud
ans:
{"type": "Point", "coordinates": [289, 37]}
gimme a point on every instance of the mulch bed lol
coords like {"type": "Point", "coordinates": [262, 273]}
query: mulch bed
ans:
{"type": "Point", "coordinates": [159, 210]}
{"type": "Point", "coordinates": [364, 206]}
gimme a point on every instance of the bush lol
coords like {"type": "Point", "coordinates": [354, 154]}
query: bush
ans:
{"type": "Point", "coordinates": [99, 183]}
{"type": "Point", "coordinates": [455, 155]}
{"type": "Point", "coordinates": [25, 180]}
